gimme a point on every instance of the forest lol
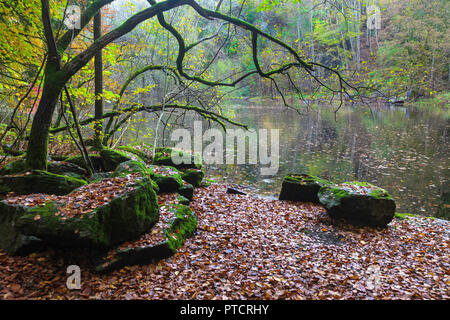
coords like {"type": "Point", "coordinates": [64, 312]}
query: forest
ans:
{"type": "Point", "coordinates": [224, 149]}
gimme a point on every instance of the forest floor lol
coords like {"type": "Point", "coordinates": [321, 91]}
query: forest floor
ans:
{"type": "Point", "coordinates": [253, 248]}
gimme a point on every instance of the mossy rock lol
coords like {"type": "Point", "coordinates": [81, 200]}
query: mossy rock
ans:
{"type": "Point", "coordinates": [187, 191]}
{"type": "Point", "coordinates": [98, 176]}
{"type": "Point", "coordinates": [167, 178]}
{"type": "Point", "coordinates": [66, 168]}
{"type": "Point", "coordinates": [112, 158]}
{"type": "Point", "coordinates": [133, 166]}
{"type": "Point", "coordinates": [14, 167]}
{"type": "Point", "coordinates": [183, 200]}
{"type": "Point", "coordinates": [193, 176]}
{"type": "Point", "coordinates": [38, 181]}
{"type": "Point", "coordinates": [144, 155]}
{"type": "Point", "coordinates": [301, 187]}
{"type": "Point", "coordinates": [124, 218]}
{"type": "Point", "coordinates": [358, 203]}
{"type": "Point", "coordinates": [163, 157]}
{"type": "Point", "coordinates": [11, 239]}
{"type": "Point", "coordinates": [181, 227]}
{"type": "Point", "coordinates": [95, 159]}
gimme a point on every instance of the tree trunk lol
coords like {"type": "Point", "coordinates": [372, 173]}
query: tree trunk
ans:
{"type": "Point", "coordinates": [37, 152]}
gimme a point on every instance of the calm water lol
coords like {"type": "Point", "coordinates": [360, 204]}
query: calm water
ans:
{"type": "Point", "coordinates": [405, 151]}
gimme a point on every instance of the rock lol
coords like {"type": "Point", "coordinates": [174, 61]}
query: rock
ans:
{"type": "Point", "coordinates": [301, 187]}
{"type": "Point", "coordinates": [66, 169]}
{"type": "Point", "coordinates": [112, 158]}
{"type": "Point", "coordinates": [11, 239]}
{"type": "Point", "coordinates": [96, 160]}
{"type": "Point", "coordinates": [39, 182]}
{"type": "Point", "coordinates": [142, 150]}
{"type": "Point", "coordinates": [14, 167]}
{"type": "Point", "coordinates": [56, 167]}
{"type": "Point", "coordinates": [183, 200]}
{"type": "Point", "coordinates": [235, 191]}
{"type": "Point", "coordinates": [358, 203]}
{"type": "Point", "coordinates": [98, 176]}
{"type": "Point", "coordinates": [132, 166]}
{"type": "Point", "coordinates": [123, 218]}
{"type": "Point", "coordinates": [193, 176]}
{"type": "Point", "coordinates": [168, 179]}
{"type": "Point", "coordinates": [182, 226]}
{"type": "Point", "coordinates": [163, 157]}
{"type": "Point", "coordinates": [187, 191]}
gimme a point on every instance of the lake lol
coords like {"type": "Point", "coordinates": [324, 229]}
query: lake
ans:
{"type": "Point", "coordinates": [403, 150]}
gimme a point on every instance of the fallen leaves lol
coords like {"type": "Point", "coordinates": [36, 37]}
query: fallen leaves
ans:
{"type": "Point", "coordinates": [82, 200]}
{"type": "Point", "coordinates": [251, 248]}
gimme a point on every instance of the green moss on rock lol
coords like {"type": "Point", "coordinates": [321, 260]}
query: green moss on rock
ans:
{"type": "Point", "coordinates": [359, 203]}
{"type": "Point", "coordinates": [301, 187]}
{"type": "Point", "coordinates": [123, 218]}
{"type": "Point", "coordinates": [163, 157]}
{"type": "Point", "coordinates": [14, 167]}
{"type": "Point", "coordinates": [79, 161]}
{"type": "Point", "coordinates": [181, 227]}
{"type": "Point", "coordinates": [39, 182]}
{"type": "Point", "coordinates": [193, 176]}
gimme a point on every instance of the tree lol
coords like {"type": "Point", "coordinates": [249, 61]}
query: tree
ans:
{"type": "Point", "coordinates": [57, 75]}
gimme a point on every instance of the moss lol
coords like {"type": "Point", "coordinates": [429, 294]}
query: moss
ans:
{"type": "Point", "coordinates": [39, 181]}
{"type": "Point", "coordinates": [79, 161]}
{"type": "Point", "coordinates": [404, 216]}
{"type": "Point", "coordinates": [123, 218]}
{"type": "Point", "coordinates": [140, 154]}
{"type": "Point", "coordinates": [112, 158]}
{"type": "Point", "coordinates": [182, 227]}
{"type": "Point", "coordinates": [370, 189]}
{"type": "Point", "coordinates": [14, 167]}
{"type": "Point", "coordinates": [163, 157]}
{"type": "Point", "coordinates": [307, 178]}
{"type": "Point", "coordinates": [193, 176]}
{"type": "Point", "coordinates": [339, 193]}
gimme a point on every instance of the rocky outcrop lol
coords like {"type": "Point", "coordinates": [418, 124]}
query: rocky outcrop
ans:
{"type": "Point", "coordinates": [193, 176]}
{"type": "Point", "coordinates": [358, 203]}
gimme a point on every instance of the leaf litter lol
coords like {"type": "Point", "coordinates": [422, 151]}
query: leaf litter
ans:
{"type": "Point", "coordinates": [254, 248]}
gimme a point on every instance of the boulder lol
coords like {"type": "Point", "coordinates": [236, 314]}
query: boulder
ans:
{"type": "Point", "coordinates": [39, 181]}
{"type": "Point", "coordinates": [123, 218]}
{"type": "Point", "coordinates": [142, 150]}
{"type": "Point", "coordinates": [112, 158]}
{"type": "Point", "coordinates": [14, 167]}
{"type": "Point", "coordinates": [163, 157]}
{"type": "Point", "coordinates": [79, 161]}
{"type": "Point", "coordinates": [168, 179]}
{"type": "Point", "coordinates": [193, 176]}
{"type": "Point", "coordinates": [358, 203]}
{"type": "Point", "coordinates": [187, 191]}
{"type": "Point", "coordinates": [12, 240]}
{"type": "Point", "coordinates": [66, 169]}
{"type": "Point", "coordinates": [301, 187]}
{"type": "Point", "coordinates": [181, 226]}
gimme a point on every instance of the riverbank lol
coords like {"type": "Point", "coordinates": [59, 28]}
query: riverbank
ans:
{"type": "Point", "coordinates": [253, 248]}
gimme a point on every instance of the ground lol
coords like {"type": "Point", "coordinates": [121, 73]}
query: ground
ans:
{"type": "Point", "coordinates": [252, 248]}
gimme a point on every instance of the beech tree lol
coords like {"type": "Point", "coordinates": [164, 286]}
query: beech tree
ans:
{"type": "Point", "coordinates": [57, 74]}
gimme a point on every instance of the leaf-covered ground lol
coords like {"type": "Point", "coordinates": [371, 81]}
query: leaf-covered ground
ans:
{"type": "Point", "coordinates": [251, 248]}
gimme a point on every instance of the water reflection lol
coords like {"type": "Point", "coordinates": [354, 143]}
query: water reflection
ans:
{"type": "Point", "coordinates": [404, 150]}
